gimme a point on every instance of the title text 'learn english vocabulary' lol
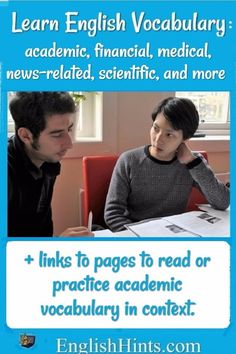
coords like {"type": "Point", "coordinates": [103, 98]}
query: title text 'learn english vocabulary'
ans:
{"type": "Point", "coordinates": [103, 23]}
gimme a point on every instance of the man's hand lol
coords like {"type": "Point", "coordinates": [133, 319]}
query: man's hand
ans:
{"type": "Point", "coordinates": [184, 154]}
{"type": "Point", "coordinates": [76, 231]}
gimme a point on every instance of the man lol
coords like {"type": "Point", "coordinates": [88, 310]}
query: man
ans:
{"type": "Point", "coordinates": [156, 180]}
{"type": "Point", "coordinates": [43, 126]}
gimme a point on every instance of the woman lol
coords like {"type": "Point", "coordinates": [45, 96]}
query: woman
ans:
{"type": "Point", "coordinates": [156, 180]}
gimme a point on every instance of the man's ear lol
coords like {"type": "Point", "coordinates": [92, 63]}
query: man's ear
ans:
{"type": "Point", "coordinates": [25, 135]}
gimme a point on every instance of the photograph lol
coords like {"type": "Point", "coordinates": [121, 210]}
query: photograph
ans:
{"type": "Point", "coordinates": [161, 161]}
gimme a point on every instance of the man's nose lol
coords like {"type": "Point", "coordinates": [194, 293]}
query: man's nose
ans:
{"type": "Point", "coordinates": [68, 141]}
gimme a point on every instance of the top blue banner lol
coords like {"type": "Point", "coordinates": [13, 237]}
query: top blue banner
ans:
{"type": "Point", "coordinates": [151, 46]}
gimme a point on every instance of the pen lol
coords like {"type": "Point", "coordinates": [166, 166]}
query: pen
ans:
{"type": "Point", "coordinates": [90, 221]}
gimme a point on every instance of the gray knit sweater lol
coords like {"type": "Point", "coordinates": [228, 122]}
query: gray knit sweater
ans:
{"type": "Point", "coordinates": [143, 187]}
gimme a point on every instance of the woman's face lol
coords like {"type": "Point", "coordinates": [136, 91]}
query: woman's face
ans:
{"type": "Point", "coordinates": [165, 140]}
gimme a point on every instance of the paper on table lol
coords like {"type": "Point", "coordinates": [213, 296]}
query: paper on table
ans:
{"type": "Point", "coordinates": [160, 228]}
{"type": "Point", "coordinates": [204, 223]}
{"type": "Point", "coordinates": [105, 233]}
{"type": "Point", "coordinates": [109, 233]}
{"type": "Point", "coordinates": [194, 223]}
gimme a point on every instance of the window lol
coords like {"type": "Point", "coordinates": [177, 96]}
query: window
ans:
{"type": "Point", "coordinates": [213, 108]}
{"type": "Point", "coordinates": [89, 117]}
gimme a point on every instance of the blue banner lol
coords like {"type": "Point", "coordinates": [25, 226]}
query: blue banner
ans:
{"type": "Point", "coordinates": [116, 46]}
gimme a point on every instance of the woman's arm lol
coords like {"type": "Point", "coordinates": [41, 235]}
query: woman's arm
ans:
{"type": "Point", "coordinates": [216, 193]}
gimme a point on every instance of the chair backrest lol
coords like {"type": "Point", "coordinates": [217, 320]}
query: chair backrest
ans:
{"type": "Point", "coordinates": [196, 197]}
{"type": "Point", "coordinates": [97, 171]}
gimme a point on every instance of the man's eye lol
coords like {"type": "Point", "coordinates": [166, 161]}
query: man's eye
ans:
{"type": "Point", "coordinates": [56, 135]}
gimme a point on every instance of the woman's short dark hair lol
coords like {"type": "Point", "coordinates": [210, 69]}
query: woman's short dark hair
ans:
{"type": "Point", "coordinates": [31, 109]}
{"type": "Point", "coordinates": [181, 113]}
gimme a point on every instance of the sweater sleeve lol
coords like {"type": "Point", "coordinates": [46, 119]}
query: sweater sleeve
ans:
{"type": "Point", "coordinates": [116, 212]}
{"type": "Point", "coordinates": [216, 193]}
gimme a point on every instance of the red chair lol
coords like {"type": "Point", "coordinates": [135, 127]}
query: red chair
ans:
{"type": "Point", "coordinates": [196, 197]}
{"type": "Point", "coordinates": [97, 171]}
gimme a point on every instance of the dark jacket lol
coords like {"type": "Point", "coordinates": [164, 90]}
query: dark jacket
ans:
{"type": "Point", "coordinates": [29, 193]}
